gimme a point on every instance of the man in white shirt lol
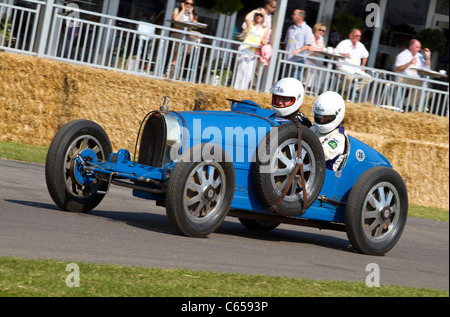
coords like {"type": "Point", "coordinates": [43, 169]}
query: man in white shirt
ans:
{"type": "Point", "coordinates": [298, 39]}
{"type": "Point", "coordinates": [406, 63]}
{"type": "Point", "coordinates": [410, 58]}
{"type": "Point", "coordinates": [356, 54]}
{"type": "Point", "coordinates": [298, 36]}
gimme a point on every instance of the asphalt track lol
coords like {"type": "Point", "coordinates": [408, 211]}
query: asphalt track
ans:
{"type": "Point", "coordinates": [130, 231]}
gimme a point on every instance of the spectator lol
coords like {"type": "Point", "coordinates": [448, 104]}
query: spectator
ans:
{"type": "Point", "coordinates": [287, 98]}
{"type": "Point", "coordinates": [357, 55]}
{"type": "Point", "coordinates": [329, 111]}
{"type": "Point", "coordinates": [406, 62]}
{"type": "Point", "coordinates": [185, 13]}
{"type": "Point", "coordinates": [409, 58]}
{"type": "Point", "coordinates": [269, 7]}
{"type": "Point", "coordinates": [257, 34]}
{"type": "Point", "coordinates": [298, 38]}
{"type": "Point", "coordinates": [315, 77]}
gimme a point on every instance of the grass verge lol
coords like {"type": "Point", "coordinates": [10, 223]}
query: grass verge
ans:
{"type": "Point", "coordinates": [42, 278]}
{"type": "Point", "coordinates": [23, 152]}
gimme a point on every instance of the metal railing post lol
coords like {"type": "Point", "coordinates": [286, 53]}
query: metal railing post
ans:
{"type": "Point", "coordinates": [270, 75]}
{"type": "Point", "coordinates": [43, 30]}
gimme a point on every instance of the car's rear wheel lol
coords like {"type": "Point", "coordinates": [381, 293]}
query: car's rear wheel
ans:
{"type": "Point", "coordinates": [199, 193]}
{"type": "Point", "coordinates": [376, 211]}
{"type": "Point", "coordinates": [68, 185]}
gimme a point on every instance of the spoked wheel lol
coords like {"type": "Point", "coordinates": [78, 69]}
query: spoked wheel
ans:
{"type": "Point", "coordinates": [271, 177]}
{"type": "Point", "coordinates": [376, 211]}
{"type": "Point", "coordinates": [69, 185]}
{"type": "Point", "coordinates": [199, 194]}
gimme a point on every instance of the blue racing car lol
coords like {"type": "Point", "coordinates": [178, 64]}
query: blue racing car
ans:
{"type": "Point", "coordinates": [206, 165]}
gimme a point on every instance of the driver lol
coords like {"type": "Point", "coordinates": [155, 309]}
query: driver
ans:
{"type": "Point", "coordinates": [287, 98]}
{"type": "Point", "coordinates": [329, 111]}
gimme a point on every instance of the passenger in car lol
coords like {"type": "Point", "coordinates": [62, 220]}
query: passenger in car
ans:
{"type": "Point", "coordinates": [329, 111]}
{"type": "Point", "coordinates": [287, 98]}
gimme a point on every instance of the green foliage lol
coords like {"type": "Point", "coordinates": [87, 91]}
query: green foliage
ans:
{"type": "Point", "coordinates": [227, 6]}
{"type": "Point", "coordinates": [344, 22]}
{"type": "Point", "coordinates": [5, 30]}
{"type": "Point", "coordinates": [433, 39]}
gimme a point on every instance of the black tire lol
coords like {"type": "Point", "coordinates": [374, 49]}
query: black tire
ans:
{"type": "Point", "coordinates": [62, 185]}
{"type": "Point", "coordinates": [258, 225]}
{"type": "Point", "coordinates": [376, 211]}
{"type": "Point", "coordinates": [270, 185]}
{"type": "Point", "coordinates": [212, 193]}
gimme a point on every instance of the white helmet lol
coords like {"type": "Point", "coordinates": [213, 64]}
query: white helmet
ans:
{"type": "Point", "coordinates": [289, 88]}
{"type": "Point", "coordinates": [329, 111]}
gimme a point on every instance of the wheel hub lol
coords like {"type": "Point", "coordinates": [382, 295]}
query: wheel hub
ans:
{"type": "Point", "coordinates": [385, 213]}
{"type": "Point", "coordinates": [76, 166]}
{"type": "Point", "coordinates": [209, 193]}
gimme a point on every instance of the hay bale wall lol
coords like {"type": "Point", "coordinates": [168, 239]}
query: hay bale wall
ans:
{"type": "Point", "coordinates": [37, 96]}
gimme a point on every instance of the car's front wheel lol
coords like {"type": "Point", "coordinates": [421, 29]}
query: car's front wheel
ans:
{"type": "Point", "coordinates": [67, 183]}
{"type": "Point", "coordinates": [199, 192]}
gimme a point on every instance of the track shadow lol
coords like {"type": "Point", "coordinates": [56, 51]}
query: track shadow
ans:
{"type": "Point", "coordinates": [141, 220]}
{"type": "Point", "coordinates": [33, 204]}
{"type": "Point", "coordinates": [159, 223]}
{"type": "Point", "coordinates": [323, 238]}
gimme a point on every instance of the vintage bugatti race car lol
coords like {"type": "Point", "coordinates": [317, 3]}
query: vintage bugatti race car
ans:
{"type": "Point", "coordinates": [206, 165]}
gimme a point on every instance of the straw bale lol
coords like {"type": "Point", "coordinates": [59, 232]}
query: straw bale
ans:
{"type": "Point", "coordinates": [413, 125]}
{"type": "Point", "coordinates": [28, 94]}
{"type": "Point", "coordinates": [423, 166]}
{"type": "Point", "coordinates": [37, 96]}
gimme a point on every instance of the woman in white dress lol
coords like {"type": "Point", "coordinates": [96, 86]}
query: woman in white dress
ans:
{"type": "Point", "coordinates": [315, 77]}
{"type": "Point", "coordinates": [256, 34]}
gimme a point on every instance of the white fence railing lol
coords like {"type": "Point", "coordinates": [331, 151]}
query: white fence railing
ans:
{"type": "Point", "coordinates": [46, 29]}
{"type": "Point", "coordinates": [428, 95]}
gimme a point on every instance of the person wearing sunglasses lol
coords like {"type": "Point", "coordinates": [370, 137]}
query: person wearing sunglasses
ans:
{"type": "Point", "coordinates": [256, 35]}
{"type": "Point", "coordinates": [357, 55]}
{"type": "Point", "coordinates": [315, 77]}
{"type": "Point", "coordinates": [269, 8]}
{"type": "Point", "coordinates": [186, 12]}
